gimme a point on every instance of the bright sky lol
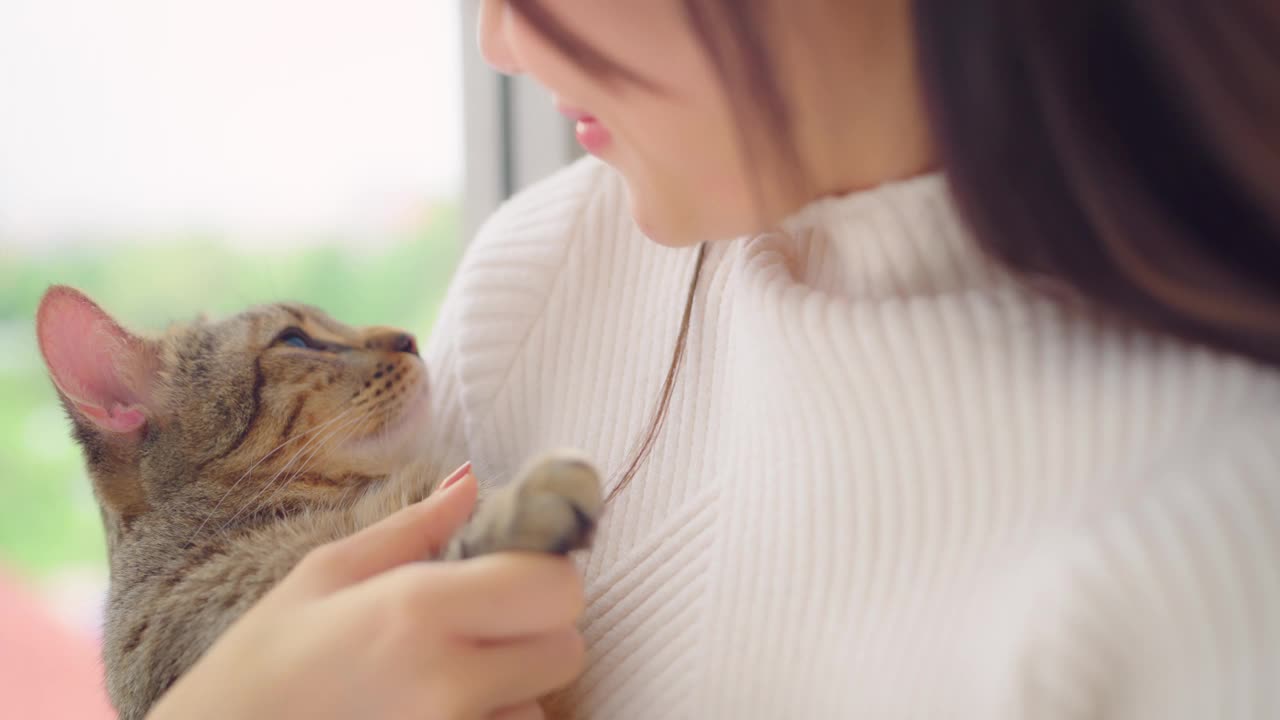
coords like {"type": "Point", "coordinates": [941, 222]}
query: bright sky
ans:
{"type": "Point", "coordinates": [258, 117]}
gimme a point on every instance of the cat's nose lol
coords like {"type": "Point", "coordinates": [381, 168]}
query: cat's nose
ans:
{"type": "Point", "coordinates": [405, 343]}
{"type": "Point", "coordinates": [394, 341]}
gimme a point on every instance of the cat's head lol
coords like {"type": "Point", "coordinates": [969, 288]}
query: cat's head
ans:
{"type": "Point", "coordinates": [277, 406]}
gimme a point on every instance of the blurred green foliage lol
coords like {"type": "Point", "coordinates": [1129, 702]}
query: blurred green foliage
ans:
{"type": "Point", "coordinates": [48, 518]}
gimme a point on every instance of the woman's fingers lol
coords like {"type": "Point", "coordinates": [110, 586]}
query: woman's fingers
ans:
{"type": "Point", "coordinates": [490, 635]}
{"type": "Point", "coordinates": [514, 594]}
{"type": "Point", "coordinates": [526, 711]}
{"type": "Point", "coordinates": [499, 630]}
{"type": "Point", "coordinates": [412, 534]}
{"type": "Point", "coordinates": [495, 597]}
{"type": "Point", "coordinates": [505, 676]}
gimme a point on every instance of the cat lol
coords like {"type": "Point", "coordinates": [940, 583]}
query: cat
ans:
{"type": "Point", "coordinates": [223, 451]}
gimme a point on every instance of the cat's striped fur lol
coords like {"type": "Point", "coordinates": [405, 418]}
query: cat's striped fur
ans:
{"type": "Point", "coordinates": [222, 452]}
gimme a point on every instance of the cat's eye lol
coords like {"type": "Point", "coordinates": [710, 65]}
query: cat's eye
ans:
{"type": "Point", "coordinates": [294, 337]}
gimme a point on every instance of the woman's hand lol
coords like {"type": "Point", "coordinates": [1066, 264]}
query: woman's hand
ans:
{"type": "Point", "coordinates": [360, 629]}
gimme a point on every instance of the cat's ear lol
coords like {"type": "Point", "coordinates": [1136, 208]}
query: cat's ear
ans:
{"type": "Point", "coordinates": [105, 372]}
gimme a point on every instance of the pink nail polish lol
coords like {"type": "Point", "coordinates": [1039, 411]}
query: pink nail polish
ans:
{"type": "Point", "coordinates": [456, 475]}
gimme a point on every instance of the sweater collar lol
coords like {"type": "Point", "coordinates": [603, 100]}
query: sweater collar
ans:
{"type": "Point", "coordinates": [900, 239]}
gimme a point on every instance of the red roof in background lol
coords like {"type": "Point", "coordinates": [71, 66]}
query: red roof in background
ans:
{"type": "Point", "coordinates": [48, 671]}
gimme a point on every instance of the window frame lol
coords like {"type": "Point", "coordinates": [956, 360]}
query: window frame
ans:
{"type": "Point", "coordinates": [512, 134]}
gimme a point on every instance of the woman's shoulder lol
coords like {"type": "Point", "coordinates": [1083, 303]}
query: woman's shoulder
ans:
{"type": "Point", "coordinates": [1211, 486]}
{"type": "Point", "coordinates": [547, 216]}
{"type": "Point", "coordinates": [1218, 484]}
{"type": "Point", "coordinates": [519, 254]}
{"type": "Point", "coordinates": [1165, 597]}
{"type": "Point", "coordinates": [540, 263]}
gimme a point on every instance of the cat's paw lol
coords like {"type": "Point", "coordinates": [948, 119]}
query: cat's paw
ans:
{"type": "Point", "coordinates": [558, 504]}
{"type": "Point", "coordinates": [552, 506]}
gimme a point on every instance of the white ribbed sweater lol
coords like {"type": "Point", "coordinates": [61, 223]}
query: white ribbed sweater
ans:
{"type": "Point", "coordinates": [892, 484]}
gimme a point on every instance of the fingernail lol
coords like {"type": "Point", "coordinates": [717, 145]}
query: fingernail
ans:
{"type": "Point", "coordinates": [456, 475]}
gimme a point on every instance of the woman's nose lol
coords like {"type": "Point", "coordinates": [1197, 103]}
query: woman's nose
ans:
{"type": "Point", "coordinates": [492, 37]}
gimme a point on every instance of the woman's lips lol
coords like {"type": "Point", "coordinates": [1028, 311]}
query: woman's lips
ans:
{"type": "Point", "coordinates": [591, 134]}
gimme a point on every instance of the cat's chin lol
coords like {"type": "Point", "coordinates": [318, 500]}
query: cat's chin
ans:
{"type": "Point", "coordinates": [401, 441]}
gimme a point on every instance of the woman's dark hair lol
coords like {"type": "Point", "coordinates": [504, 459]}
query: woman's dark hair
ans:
{"type": "Point", "coordinates": [1128, 151]}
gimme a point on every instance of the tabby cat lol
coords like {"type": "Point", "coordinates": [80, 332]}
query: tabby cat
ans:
{"type": "Point", "coordinates": [222, 452]}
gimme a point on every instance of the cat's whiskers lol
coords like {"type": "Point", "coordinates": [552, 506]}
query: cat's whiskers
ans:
{"type": "Point", "coordinates": [292, 438]}
{"type": "Point", "coordinates": [385, 431]}
{"type": "Point", "coordinates": [312, 446]}
{"type": "Point", "coordinates": [346, 496]}
{"type": "Point", "coordinates": [384, 427]}
{"type": "Point", "coordinates": [305, 465]}
{"type": "Point", "coordinates": [318, 441]}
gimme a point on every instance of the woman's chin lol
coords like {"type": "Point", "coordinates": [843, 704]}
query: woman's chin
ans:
{"type": "Point", "coordinates": [673, 222]}
{"type": "Point", "coordinates": [661, 228]}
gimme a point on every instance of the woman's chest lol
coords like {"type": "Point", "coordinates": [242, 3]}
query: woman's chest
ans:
{"type": "Point", "coordinates": [834, 489]}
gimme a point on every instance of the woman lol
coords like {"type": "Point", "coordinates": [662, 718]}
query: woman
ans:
{"type": "Point", "coordinates": [934, 345]}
